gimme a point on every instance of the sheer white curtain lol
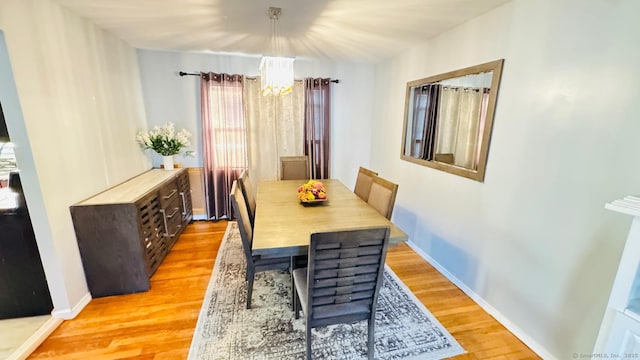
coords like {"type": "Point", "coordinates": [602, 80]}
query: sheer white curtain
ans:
{"type": "Point", "coordinates": [458, 125]}
{"type": "Point", "coordinates": [465, 153]}
{"type": "Point", "coordinates": [448, 122]}
{"type": "Point", "coordinates": [275, 127]}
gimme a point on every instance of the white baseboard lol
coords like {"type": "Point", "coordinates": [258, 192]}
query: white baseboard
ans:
{"type": "Point", "coordinates": [68, 314]}
{"type": "Point", "coordinates": [200, 217]}
{"type": "Point", "coordinates": [35, 339]}
{"type": "Point", "coordinates": [519, 333]}
{"type": "Point", "coordinates": [57, 317]}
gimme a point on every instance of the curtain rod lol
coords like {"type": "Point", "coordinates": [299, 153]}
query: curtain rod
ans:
{"type": "Point", "coordinates": [182, 73]}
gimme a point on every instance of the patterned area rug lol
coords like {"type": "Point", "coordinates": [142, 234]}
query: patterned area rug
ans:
{"type": "Point", "coordinates": [226, 330]}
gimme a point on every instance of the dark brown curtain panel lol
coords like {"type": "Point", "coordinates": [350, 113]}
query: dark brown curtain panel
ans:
{"type": "Point", "coordinates": [224, 139]}
{"type": "Point", "coordinates": [317, 126]}
{"type": "Point", "coordinates": [426, 100]}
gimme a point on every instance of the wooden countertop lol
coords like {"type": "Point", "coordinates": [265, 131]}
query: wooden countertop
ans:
{"type": "Point", "coordinates": [132, 189]}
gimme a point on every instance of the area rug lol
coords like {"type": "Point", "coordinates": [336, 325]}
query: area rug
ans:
{"type": "Point", "coordinates": [227, 330]}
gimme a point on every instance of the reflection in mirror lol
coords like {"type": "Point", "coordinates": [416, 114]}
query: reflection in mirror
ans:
{"type": "Point", "coordinates": [448, 119]}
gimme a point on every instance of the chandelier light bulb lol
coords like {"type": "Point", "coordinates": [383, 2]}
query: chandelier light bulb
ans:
{"type": "Point", "coordinates": [276, 72]}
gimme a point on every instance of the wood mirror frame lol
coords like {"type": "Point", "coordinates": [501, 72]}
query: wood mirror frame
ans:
{"type": "Point", "coordinates": [431, 128]}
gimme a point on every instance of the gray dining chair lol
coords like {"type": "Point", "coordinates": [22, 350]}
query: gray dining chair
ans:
{"type": "Point", "coordinates": [342, 280]}
{"type": "Point", "coordinates": [294, 168]}
{"type": "Point", "coordinates": [363, 183]}
{"type": "Point", "coordinates": [249, 197]}
{"type": "Point", "coordinates": [382, 196]}
{"type": "Point", "coordinates": [255, 263]}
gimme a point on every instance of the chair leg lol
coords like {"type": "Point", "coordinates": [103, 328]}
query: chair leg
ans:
{"type": "Point", "coordinates": [250, 277]}
{"type": "Point", "coordinates": [293, 285]}
{"type": "Point", "coordinates": [296, 303]}
{"type": "Point", "coordinates": [308, 340]}
{"type": "Point", "coordinates": [371, 339]}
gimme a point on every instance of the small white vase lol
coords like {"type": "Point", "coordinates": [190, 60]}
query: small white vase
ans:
{"type": "Point", "coordinates": [167, 161]}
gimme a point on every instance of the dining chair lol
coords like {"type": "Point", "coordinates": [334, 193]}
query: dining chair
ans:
{"type": "Point", "coordinates": [249, 197]}
{"type": "Point", "coordinates": [382, 196]}
{"type": "Point", "coordinates": [342, 280]}
{"type": "Point", "coordinates": [255, 263]}
{"type": "Point", "coordinates": [363, 182]}
{"type": "Point", "coordinates": [294, 168]}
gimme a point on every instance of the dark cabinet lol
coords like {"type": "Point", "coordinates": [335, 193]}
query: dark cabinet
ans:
{"type": "Point", "coordinates": [4, 134]}
{"type": "Point", "coordinates": [125, 232]}
{"type": "Point", "coordinates": [23, 286]}
{"type": "Point", "coordinates": [184, 189]}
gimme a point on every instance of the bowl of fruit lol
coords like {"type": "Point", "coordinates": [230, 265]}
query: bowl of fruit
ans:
{"type": "Point", "coordinates": [312, 192]}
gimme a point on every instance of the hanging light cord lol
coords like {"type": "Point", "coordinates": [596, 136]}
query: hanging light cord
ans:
{"type": "Point", "coordinates": [274, 15]}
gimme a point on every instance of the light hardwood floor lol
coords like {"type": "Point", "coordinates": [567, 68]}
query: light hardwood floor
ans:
{"type": "Point", "coordinates": [159, 324]}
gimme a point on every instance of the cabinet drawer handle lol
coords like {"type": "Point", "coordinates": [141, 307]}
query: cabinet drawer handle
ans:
{"type": "Point", "coordinates": [184, 204]}
{"type": "Point", "coordinates": [175, 211]}
{"type": "Point", "coordinates": [178, 227]}
{"type": "Point", "coordinates": [173, 192]}
{"type": "Point", "coordinates": [164, 218]}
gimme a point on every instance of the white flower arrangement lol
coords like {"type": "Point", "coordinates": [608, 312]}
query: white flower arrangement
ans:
{"type": "Point", "coordinates": [164, 140]}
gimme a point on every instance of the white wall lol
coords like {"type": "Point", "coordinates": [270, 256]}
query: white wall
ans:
{"type": "Point", "coordinates": [533, 240]}
{"type": "Point", "coordinates": [72, 100]}
{"type": "Point", "coordinates": [171, 98]}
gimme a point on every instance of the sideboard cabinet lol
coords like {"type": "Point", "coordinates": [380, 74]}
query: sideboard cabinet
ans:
{"type": "Point", "coordinates": [125, 232]}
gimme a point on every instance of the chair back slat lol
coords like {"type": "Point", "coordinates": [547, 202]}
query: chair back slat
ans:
{"type": "Point", "coordinates": [345, 264]}
{"type": "Point", "coordinates": [347, 297]}
{"type": "Point", "coordinates": [343, 289]}
{"type": "Point", "coordinates": [333, 281]}
{"type": "Point", "coordinates": [345, 273]}
{"type": "Point", "coordinates": [348, 252]}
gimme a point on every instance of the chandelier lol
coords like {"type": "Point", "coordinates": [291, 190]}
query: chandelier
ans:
{"type": "Point", "coordinates": [276, 72]}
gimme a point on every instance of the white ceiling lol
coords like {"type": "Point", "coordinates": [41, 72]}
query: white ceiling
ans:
{"type": "Point", "coordinates": [356, 30]}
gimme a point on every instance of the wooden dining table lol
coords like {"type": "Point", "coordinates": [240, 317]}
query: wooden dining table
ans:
{"type": "Point", "coordinates": [283, 224]}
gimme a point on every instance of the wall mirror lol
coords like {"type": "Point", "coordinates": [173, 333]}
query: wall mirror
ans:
{"type": "Point", "coordinates": [448, 119]}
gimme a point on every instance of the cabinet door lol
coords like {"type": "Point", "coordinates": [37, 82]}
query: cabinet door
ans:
{"type": "Point", "coordinates": [23, 287]}
{"type": "Point", "coordinates": [111, 247]}
{"type": "Point", "coordinates": [173, 219]}
{"type": "Point", "coordinates": [151, 229]}
{"type": "Point", "coordinates": [171, 211]}
{"type": "Point", "coordinates": [184, 189]}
